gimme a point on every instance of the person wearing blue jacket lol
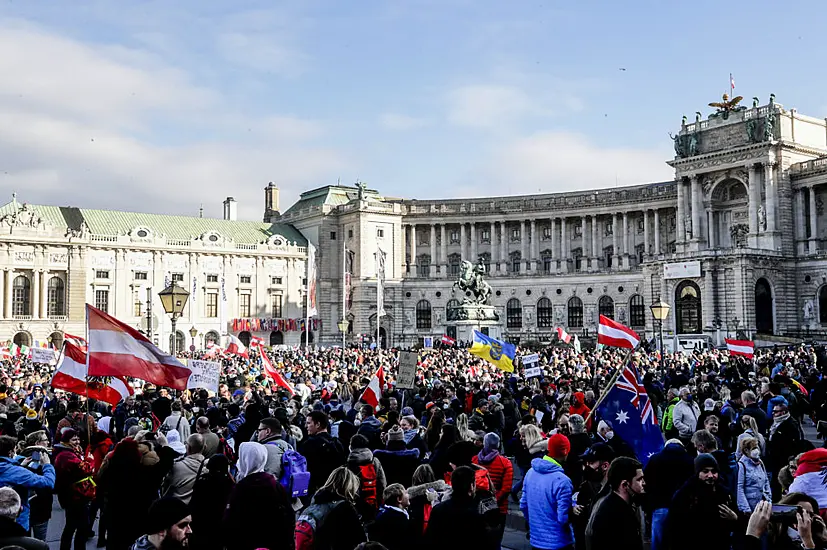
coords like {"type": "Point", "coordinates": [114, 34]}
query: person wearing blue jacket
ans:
{"type": "Point", "coordinates": [546, 502]}
{"type": "Point", "coordinates": [20, 478]}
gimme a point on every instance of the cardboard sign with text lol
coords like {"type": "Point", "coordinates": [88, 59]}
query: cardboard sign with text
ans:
{"type": "Point", "coordinates": [204, 375]}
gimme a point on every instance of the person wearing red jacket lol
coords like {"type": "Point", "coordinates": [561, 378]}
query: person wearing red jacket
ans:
{"type": "Point", "coordinates": [74, 487]}
{"type": "Point", "coordinates": [579, 407]}
{"type": "Point", "coordinates": [500, 471]}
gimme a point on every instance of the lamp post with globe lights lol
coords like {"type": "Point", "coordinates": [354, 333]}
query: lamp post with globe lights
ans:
{"type": "Point", "coordinates": [173, 299]}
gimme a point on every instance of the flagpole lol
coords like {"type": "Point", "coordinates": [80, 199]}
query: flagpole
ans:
{"type": "Point", "coordinates": [378, 298]}
{"type": "Point", "coordinates": [611, 382]}
{"type": "Point", "coordinates": [344, 289]}
{"type": "Point", "coordinates": [307, 301]}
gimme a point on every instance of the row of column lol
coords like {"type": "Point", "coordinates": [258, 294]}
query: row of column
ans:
{"type": "Point", "coordinates": [559, 237]}
{"type": "Point", "coordinates": [38, 286]}
{"type": "Point", "coordinates": [806, 222]}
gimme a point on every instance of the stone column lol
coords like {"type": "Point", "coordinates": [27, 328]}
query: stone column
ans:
{"type": "Point", "coordinates": [8, 289]}
{"type": "Point", "coordinates": [443, 254]}
{"type": "Point", "coordinates": [696, 208]}
{"type": "Point", "coordinates": [564, 240]}
{"type": "Point", "coordinates": [711, 224]}
{"type": "Point", "coordinates": [533, 261]}
{"type": "Point", "coordinates": [646, 249]}
{"type": "Point", "coordinates": [44, 283]}
{"type": "Point", "coordinates": [433, 251]}
{"type": "Point", "coordinates": [813, 244]}
{"type": "Point", "coordinates": [462, 246]}
{"type": "Point", "coordinates": [554, 253]}
{"type": "Point", "coordinates": [626, 262]}
{"type": "Point", "coordinates": [800, 222]}
{"type": "Point", "coordinates": [492, 243]}
{"type": "Point", "coordinates": [412, 244]}
{"type": "Point", "coordinates": [657, 231]}
{"type": "Point", "coordinates": [615, 249]}
{"type": "Point", "coordinates": [680, 233]}
{"type": "Point", "coordinates": [35, 305]}
{"type": "Point", "coordinates": [523, 249]}
{"type": "Point", "coordinates": [474, 254]}
{"type": "Point", "coordinates": [584, 243]}
{"type": "Point", "coordinates": [595, 246]}
{"type": "Point", "coordinates": [504, 246]}
{"type": "Point", "coordinates": [771, 193]}
{"type": "Point", "coordinates": [754, 204]}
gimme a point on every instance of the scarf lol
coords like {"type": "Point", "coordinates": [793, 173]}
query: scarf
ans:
{"type": "Point", "coordinates": [777, 421]}
{"type": "Point", "coordinates": [408, 435]}
{"type": "Point", "coordinates": [487, 457]}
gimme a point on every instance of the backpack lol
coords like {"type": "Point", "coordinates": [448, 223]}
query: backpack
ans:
{"type": "Point", "coordinates": [309, 522]}
{"type": "Point", "coordinates": [165, 428]}
{"type": "Point", "coordinates": [367, 489]}
{"type": "Point", "coordinates": [294, 475]}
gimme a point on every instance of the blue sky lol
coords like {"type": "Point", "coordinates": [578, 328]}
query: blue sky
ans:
{"type": "Point", "coordinates": [160, 106]}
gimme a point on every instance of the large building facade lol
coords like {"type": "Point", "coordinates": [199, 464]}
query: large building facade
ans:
{"type": "Point", "coordinates": [734, 244]}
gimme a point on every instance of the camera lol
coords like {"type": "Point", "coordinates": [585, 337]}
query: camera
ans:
{"type": "Point", "coordinates": [785, 514]}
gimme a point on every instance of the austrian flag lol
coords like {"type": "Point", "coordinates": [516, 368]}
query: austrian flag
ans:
{"type": "Point", "coordinates": [448, 340]}
{"type": "Point", "coordinates": [612, 333]}
{"type": "Point", "coordinates": [745, 348]}
{"type": "Point", "coordinates": [373, 392]}
{"type": "Point", "coordinates": [562, 335]}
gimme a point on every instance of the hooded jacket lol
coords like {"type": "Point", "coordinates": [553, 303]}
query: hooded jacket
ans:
{"type": "Point", "coordinates": [22, 479]}
{"type": "Point", "coordinates": [579, 407]}
{"type": "Point", "coordinates": [685, 418]}
{"type": "Point", "coordinates": [181, 479]}
{"type": "Point", "coordinates": [276, 447]}
{"type": "Point", "coordinates": [501, 472]}
{"type": "Point", "coordinates": [399, 465]}
{"type": "Point", "coordinates": [666, 472]}
{"type": "Point", "coordinates": [362, 457]}
{"type": "Point", "coordinates": [546, 503]}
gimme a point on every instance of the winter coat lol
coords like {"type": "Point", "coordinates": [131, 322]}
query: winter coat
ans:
{"type": "Point", "coordinates": [340, 528]}
{"type": "Point", "coordinates": [71, 468]}
{"type": "Point", "coordinates": [501, 472]}
{"type": "Point", "coordinates": [781, 444]}
{"type": "Point", "coordinates": [259, 515]}
{"type": "Point", "coordinates": [666, 472]}
{"type": "Point", "coordinates": [208, 504]}
{"type": "Point", "coordinates": [685, 418]}
{"type": "Point", "coordinates": [457, 523]}
{"type": "Point", "coordinates": [393, 529]}
{"type": "Point", "coordinates": [476, 422]}
{"type": "Point", "coordinates": [276, 447]}
{"type": "Point", "coordinates": [399, 465]}
{"type": "Point", "coordinates": [323, 454]}
{"type": "Point", "coordinates": [424, 498]}
{"type": "Point", "coordinates": [696, 505]}
{"type": "Point", "coordinates": [546, 504]}
{"type": "Point", "coordinates": [23, 480]}
{"type": "Point", "coordinates": [762, 443]}
{"type": "Point", "coordinates": [12, 534]}
{"type": "Point", "coordinates": [355, 460]}
{"type": "Point", "coordinates": [613, 524]}
{"type": "Point", "coordinates": [573, 466]}
{"type": "Point", "coordinates": [176, 421]}
{"type": "Point", "coordinates": [181, 479]}
{"type": "Point", "coordinates": [371, 428]}
{"type": "Point", "coordinates": [668, 426]}
{"type": "Point", "coordinates": [579, 407]}
{"type": "Point", "coordinates": [753, 484]}
{"type": "Point", "coordinates": [755, 411]}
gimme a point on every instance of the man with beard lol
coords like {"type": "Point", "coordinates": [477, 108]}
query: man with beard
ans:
{"type": "Point", "coordinates": [702, 514]}
{"type": "Point", "coordinates": [595, 463]}
{"type": "Point", "coordinates": [614, 522]}
{"type": "Point", "coordinates": [168, 526]}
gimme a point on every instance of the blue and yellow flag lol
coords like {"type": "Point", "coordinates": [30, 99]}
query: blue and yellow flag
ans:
{"type": "Point", "coordinates": [498, 353]}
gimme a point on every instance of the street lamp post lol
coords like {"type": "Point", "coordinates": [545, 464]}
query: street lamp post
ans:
{"type": "Point", "coordinates": [193, 334]}
{"type": "Point", "coordinates": [343, 326]}
{"type": "Point", "coordinates": [660, 311]}
{"type": "Point", "coordinates": [174, 298]}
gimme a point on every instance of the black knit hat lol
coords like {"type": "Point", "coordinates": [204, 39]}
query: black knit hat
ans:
{"type": "Point", "coordinates": [705, 460]}
{"type": "Point", "coordinates": [164, 513]}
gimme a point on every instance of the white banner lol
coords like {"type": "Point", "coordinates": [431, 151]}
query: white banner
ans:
{"type": "Point", "coordinates": [204, 375]}
{"type": "Point", "coordinates": [312, 311]}
{"type": "Point", "coordinates": [528, 359]}
{"type": "Point", "coordinates": [407, 370]}
{"type": "Point", "coordinates": [43, 355]}
{"type": "Point", "coordinates": [682, 270]}
{"type": "Point", "coordinates": [533, 372]}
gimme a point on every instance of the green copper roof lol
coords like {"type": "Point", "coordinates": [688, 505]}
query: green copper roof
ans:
{"type": "Point", "coordinates": [330, 195]}
{"type": "Point", "coordinates": [113, 222]}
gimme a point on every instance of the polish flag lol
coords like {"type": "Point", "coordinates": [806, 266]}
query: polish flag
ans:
{"type": "Point", "coordinates": [373, 392]}
{"type": "Point", "coordinates": [745, 348]}
{"type": "Point", "coordinates": [71, 376]}
{"type": "Point", "coordinates": [448, 340]}
{"type": "Point", "coordinates": [271, 371]}
{"type": "Point", "coordinates": [236, 347]}
{"type": "Point", "coordinates": [563, 335]}
{"type": "Point", "coordinates": [612, 333]}
{"type": "Point", "coordinates": [116, 349]}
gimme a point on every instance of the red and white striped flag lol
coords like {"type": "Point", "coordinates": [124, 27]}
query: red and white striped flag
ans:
{"type": "Point", "coordinates": [373, 392]}
{"type": "Point", "coordinates": [612, 333]}
{"type": "Point", "coordinates": [5, 354]}
{"type": "Point", "coordinates": [213, 350]}
{"type": "Point", "coordinates": [116, 349]}
{"type": "Point", "coordinates": [448, 340]}
{"type": "Point", "coordinates": [563, 335]}
{"type": "Point", "coordinates": [745, 348]}
{"type": "Point", "coordinates": [236, 347]}
{"type": "Point", "coordinates": [731, 83]}
{"type": "Point", "coordinates": [76, 341]}
{"type": "Point", "coordinates": [71, 376]}
{"type": "Point", "coordinates": [271, 371]}
{"type": "Point", "coordinates": [256, 341]}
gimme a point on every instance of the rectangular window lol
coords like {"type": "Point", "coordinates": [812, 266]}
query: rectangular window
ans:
{"type": "Point", "coordinates": [454, 236]}
{"type": "Point", "coordinates": [246, 279]}
{"type": "Point", "coordinates": [547, 264]}
{"type": "Point", "coordinates": [332, 235]}
{"type": "Point", "coordinates": [212, 278]}
{"type": "Point", "coordinates": [380, 233]}
{"type": "Point", "coordinates": [211, 308]}
{"type": "Point", "coordinates": [547, 232]}
{"type": "Point", "coordinates": [275, 280]}
{"type": "Point", "coordinates": [485, 235]}
{"type": "Point", "coordinates": [102, 300]}
{"type": "Point", "coordinates": [350, 233]}
{"type": "Point", "coordinates": [101, 274]}
{"type": "Point", "coordinates": [276, 305]}
{"type": "Point", "coordinates": [140, 275]}
{"type": "Point", "coordinates": [244, 305]}
{"type": "Point", "coordinates": [177, 277]}
{"type": "Point", "coordinates": [515, 234]}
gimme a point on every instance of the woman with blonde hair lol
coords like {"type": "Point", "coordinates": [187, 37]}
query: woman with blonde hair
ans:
{"type": "Point", "coordinates": [532, 445]}
{"type": "Point", "coordinates": [753, 483]}
{"type": "Point", "coordinates": [750, 428]}
{"type": "Point", "coordinates": [462, 427]}
{"type": "Point", "coordinates": [331, 522]}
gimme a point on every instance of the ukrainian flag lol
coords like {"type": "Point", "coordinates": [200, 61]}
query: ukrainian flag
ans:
{"type": "Point", "coordinates": [498, 353]}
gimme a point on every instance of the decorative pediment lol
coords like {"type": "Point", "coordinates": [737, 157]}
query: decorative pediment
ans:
{"type": "Point", "coordinates": [25, 217]}
{"type": "Point", "coordinates": [212, 238]}
{"type": "Point", "coordinates": [140, 234]}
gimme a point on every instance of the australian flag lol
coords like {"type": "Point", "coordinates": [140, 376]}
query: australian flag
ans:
{"type": "Point", "coordinates": [629, 411]}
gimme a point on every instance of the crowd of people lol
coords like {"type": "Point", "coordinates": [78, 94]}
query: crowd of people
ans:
{"type": "Point", "coordinates": [258, 466]}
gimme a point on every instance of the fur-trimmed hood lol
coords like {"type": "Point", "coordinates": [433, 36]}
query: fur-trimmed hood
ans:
{"type": "Point", "coordinates": [539, 447]}
{"type": "Point", "coordinates": [439, 486]}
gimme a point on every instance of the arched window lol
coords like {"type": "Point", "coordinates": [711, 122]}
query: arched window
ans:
{"type": "Point", "coordinates": [423, 314]}
{"type": "Point", "coordinates": [514, 314]}
{"type": "Point", "coordinates": [575, 312]}
{"type": "Point", "coordinates": [180, 341]}
{"type": "Point", "coordinates": [244, 336]}
{"type": "Point", "coordinates": [276, 338]}
{"type": "Point", "coordinates": [688, 308]}
{"type": "Point", "coordinates": [822, 305]}
{"type": "Point", "coordinates": [21, 296]}
{"type": "Point", "coordinates": [213, 337]}
{"type": "Point", "coordinates": [637, 311]}
{"type": "Point", "coordinates": [544, 313]}
{"type": "Point", "coordinates": [763, 307]}
{"type": "Point", "coordinates": [454, 261]}
{"type": "Point", "coordinates": [606, 306]}
{"type": "Point", "coordinates": [56, 297]}
{"type": "Point", "coordinates": [56, 340]}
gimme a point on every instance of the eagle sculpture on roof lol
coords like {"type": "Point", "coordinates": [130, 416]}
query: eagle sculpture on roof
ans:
{"type": "Point", "coordinates": [727, 105]}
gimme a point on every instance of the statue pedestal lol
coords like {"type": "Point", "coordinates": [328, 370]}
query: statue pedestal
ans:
{"type": "Point", "coordinates": [470, 317]}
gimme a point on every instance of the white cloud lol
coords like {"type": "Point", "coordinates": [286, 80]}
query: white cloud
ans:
{"type": "Point", "coordinates": [111, 127]}
{"type": "Point", "coordinates": [553, 162]}
{"type": "Point", "coordinates": [488, 105]}
{"type": "Point", "coordinates": [259, 51]}
{"type": "Point", "coordinates": [396, 121]}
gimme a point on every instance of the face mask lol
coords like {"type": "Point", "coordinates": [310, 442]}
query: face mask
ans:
{"type": "Point", "coordinates": [688, 397]}
{"type": "Point", "coordinates": [755, 454]}
{"type": "Point", "coordinates": [610, 434]}
{"type": "Point", "coordinates": [591, 474]}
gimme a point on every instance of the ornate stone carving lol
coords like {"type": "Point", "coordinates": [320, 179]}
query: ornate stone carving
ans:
{"type": "Point", "coordinates": [738, 234]}
{"type": "Point", "coordinates": [25, 216]}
